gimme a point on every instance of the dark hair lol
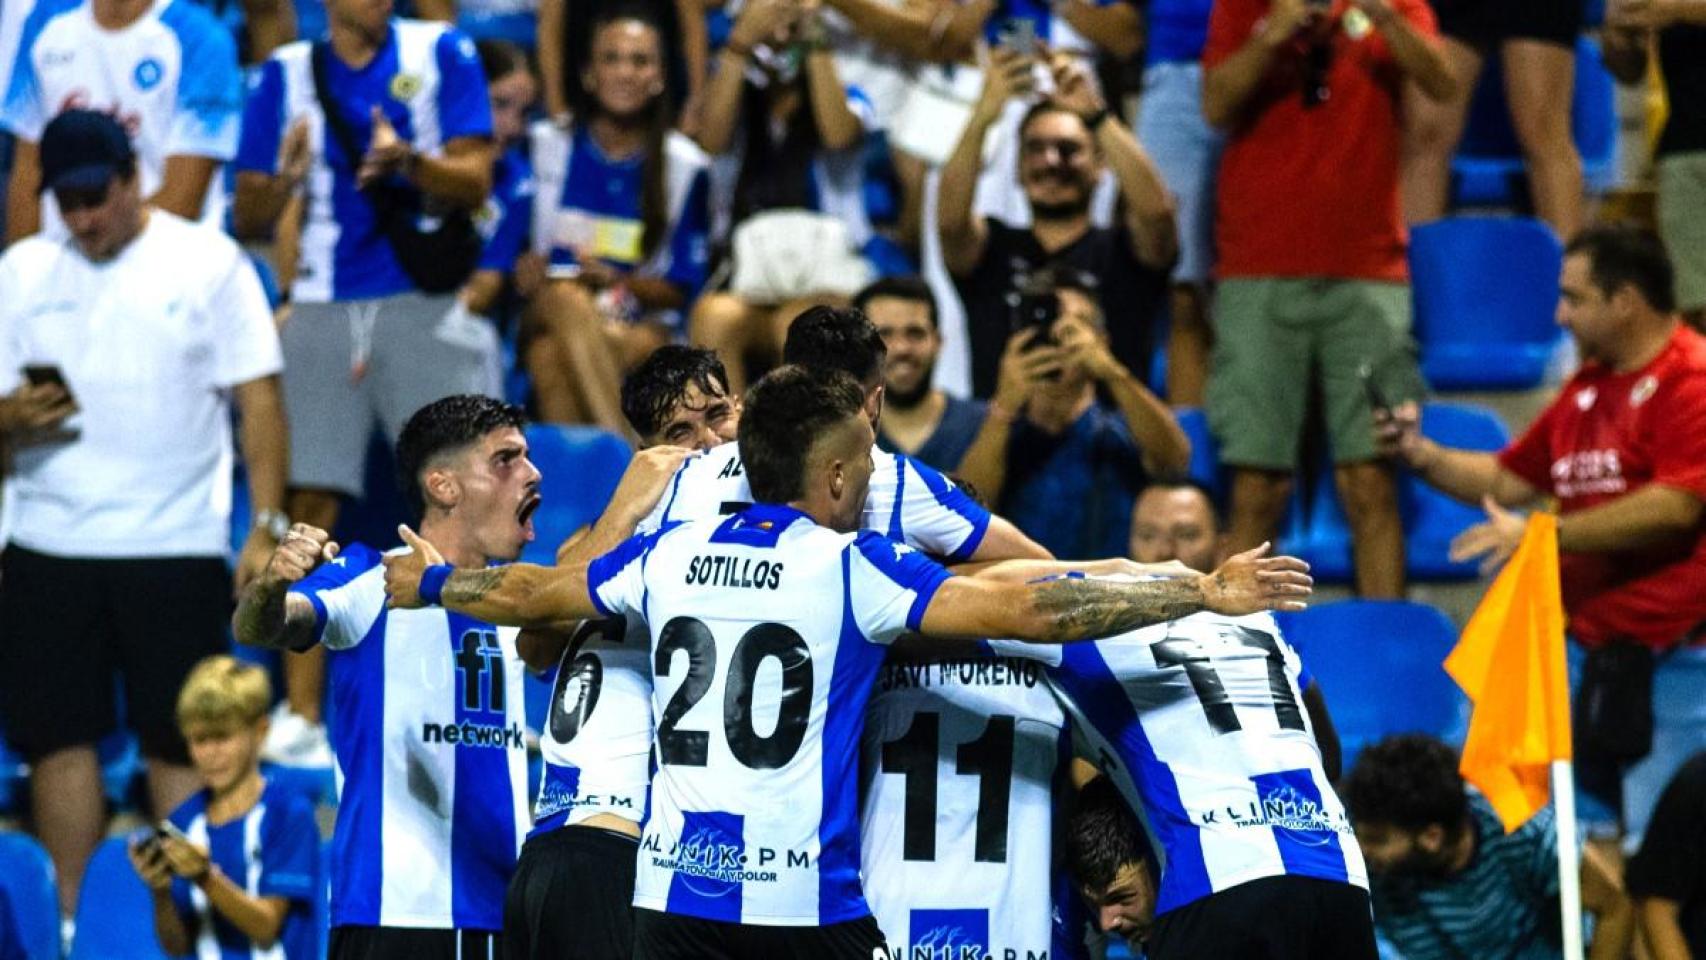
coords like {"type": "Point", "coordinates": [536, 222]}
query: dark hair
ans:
{"type": "Point", "coordinates": [1408, 781]}
{"type": "Point", "coordinates": [500, 58]}
{"type": "Point", "coordinates": [654, 167]}
{"type": "Point", "coordinates": [910, 289]}
{"type": "Point", "coordinates": [1621, 254]}
{"type": "Point", "coordinates": [652, 389]}
{"type": "Point", "coordinates": [441, 427]}
{"type": "Point", "coordinates": [1102, 836]}
{"type": "Point", "coordinates": [836, 338]}
{"type": "Point", "coordinates": [1046, 105]}
{"type": "Point", "coordinates": [775, 176]}
{"type": "Point", "coordinates": [785, 413]}
{"type": "Point", "coordinates": [1170, 483]}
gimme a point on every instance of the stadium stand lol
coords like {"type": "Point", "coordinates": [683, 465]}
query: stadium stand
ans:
{"type": "Point", "coordinates": [1485, 292]}
{"type": "Point", "coordinates": [26, 877]}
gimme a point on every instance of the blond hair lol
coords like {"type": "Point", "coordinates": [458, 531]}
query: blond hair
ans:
{"type": "Point", "coordinates": [224, 691]}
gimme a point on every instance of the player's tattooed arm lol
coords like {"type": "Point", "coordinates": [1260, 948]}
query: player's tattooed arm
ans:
{"type": "Point", "coordinates": [517, 594]}
{"type": "Point", "coordinates": [1075, 609]}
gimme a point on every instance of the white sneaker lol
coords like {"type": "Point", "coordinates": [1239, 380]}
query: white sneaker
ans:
{"type": "Point", "coordinates": [292, 741]}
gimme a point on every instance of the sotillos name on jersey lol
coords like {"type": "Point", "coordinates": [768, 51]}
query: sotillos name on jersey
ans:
{"type": "Point", "coordinates": [717, 571]}
{"type": "Point", "coordinates": [989, 672]}
{"type": "Point", "coordinates": [475, 735]}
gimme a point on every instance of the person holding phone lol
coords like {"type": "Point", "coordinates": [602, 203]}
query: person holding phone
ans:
{"type": "Point", "coordinates": [145, 327]}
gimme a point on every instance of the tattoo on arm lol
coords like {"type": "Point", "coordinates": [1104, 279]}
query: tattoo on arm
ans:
{"type": "Point", "coordinates": [471, 586]}
{"type": "Point", "coordinates": [266, 618]}
{"type": "Point", "coordinates": [1081, 609]}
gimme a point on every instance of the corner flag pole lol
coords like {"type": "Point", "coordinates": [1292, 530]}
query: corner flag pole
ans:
{"type": "Point", "coordinates": [1569, 857]}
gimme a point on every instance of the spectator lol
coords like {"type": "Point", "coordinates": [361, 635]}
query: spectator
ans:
{"type": "Point", "coordinates": [508, 215]}
{"type": "Point", "coordinates": [167, 72]}
{"type": "Point", "coordinates": [918, 419]}
{"type": "Point", "coordinates": [1536, 44]}
{"type": "Point", "coordinates": [787, 134]}
{"type": "Point", "coordinates": [565, 50]}
{"type": "Point", "coordinates": [1064, 141]}
{"type": "Point", "coordinates": [1064, 468]}
{"type": "Point", "coordinates": [1314, 288]}
{"type": "Point", "coordinates": [1446, 879]}
{"type": "Point", "coordinates": [1678, 31]}
{"type": "Point", "coordinates": [135, 333]}
{"type": "Point", "coordinates": [1108, 857]}
{"type": "Point", "coordinates": [1176, 520]}
{"type": "Point", "coordinates": [1187, 152]}
{"type": "Point", "coordinates": [1667, 878]}
{"type": "Point", "coordinates": [240, 869]}
{"type": "Point", "coordinates": [621, 211]}
{"type": "Point", "coordinates": [364, 342]}
{"type": "Point", "coordinates": [680, 396]}
{"type": "Point", "coordinates": [1621, 449]}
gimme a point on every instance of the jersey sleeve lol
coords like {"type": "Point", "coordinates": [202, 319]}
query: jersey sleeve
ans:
{"type": "Point", "coordinates": [617, 580]}
{"type": "Point", "coordinates": [209, 108]}
{"type": "Point", "coordinates": [889, 585]}
{"type": "Point", "coordinates": [346, 602]}
{"type": "Point", "coordinates": [862, 107]}
{"type": "Point", "coordinates": [1679, 453]}
{"type": "Point", "coordinates": [514, 206]}
{"type": "Point", "coordinates": [464, 108]}
{"type": "Point", "coordinates": [690, 243]}
{"type": "Point", "coordinates": [1229, 26]}
{"type": "Point", "coordinates": [263, 120]}
{"type": "Point", "coordinates": [290, 852]}
{"type": "Point", "coordinates": [934, 515]}
{"type": "Point", "coordinates": [247, 346]}
{"type": "Point", "coordinates": [1530, 457]}
{"type": "Point", "coordinates": [21, 109]}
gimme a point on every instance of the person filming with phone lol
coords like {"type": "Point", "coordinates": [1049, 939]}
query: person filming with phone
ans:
{"type": "Point", "coordinates": [122, 347]}
{"type": "Point", "coordinates": [1063, 467]}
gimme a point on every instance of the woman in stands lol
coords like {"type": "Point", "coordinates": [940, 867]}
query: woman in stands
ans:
{"type": "Point", "coordinates": [787, 135]}
{"type": "Point", "coordinates": [512, 88]}
{"type": "Point", "coordinates": [620, 210]}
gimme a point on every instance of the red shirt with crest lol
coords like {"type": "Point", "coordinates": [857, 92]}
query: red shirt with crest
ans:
{"type": "Point", "coordinates": [1608, 435]}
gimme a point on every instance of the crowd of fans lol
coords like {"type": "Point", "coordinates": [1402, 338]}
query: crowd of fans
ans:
{"type": "Point", "coordinates": [530, 202]}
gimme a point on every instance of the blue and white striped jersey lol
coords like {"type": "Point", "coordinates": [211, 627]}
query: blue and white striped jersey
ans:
{"type": "Point", "coordinates": [170, 79]}
{"type": "Point", "coordinates": [271, 851]}
{"type": "Point", "coordinates": [597, 743]}
{"type": "Point", "coordinates": [960, 764]}
{"type": "Point", "coordinates": [767, 632]}
{"type": "Point", "coordinates": [1200, 723]}
{"type": "Point", "coordinates": [428, 728]}
{"type": "Point", "coordinates": [426, 77]}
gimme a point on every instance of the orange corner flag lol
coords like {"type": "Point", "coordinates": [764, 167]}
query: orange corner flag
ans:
{"type": "Point", "coordinates": [1510, 662]}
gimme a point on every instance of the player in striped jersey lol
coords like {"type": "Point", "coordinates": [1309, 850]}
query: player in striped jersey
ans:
{"type": "Point", "coordinates": [751, 847]}
{"type": "Point", "coordinates": [428, 726]}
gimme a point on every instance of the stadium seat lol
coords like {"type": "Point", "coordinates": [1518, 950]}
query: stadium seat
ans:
{"type": "Point", "coordinates": [26, 875]}
{"type": "Point", "coordinates": [1379, 665]}
{"type": "Point", "coordinates": [13, 779]}
{"type": "Point", "coordinates": [1205, 453]}
{"type": "Point", "coordinates": [1486, 291]}
{"type": "Point", "coordinates": [580, 467]}
{"type": "Point", "coordinates": [115, 913]}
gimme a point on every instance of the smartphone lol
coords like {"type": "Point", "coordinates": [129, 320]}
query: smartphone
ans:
{"type": "Point", "coordinates": [1037, 311]}
{"type": "Point", "coordinates": [39, 374]}
{"type": "Point", "coordinates": [167, 828]}
{"type": "Point", "coordinates": [1377, 399]}
{"type": "Point", "coordinates": [1019, 34]}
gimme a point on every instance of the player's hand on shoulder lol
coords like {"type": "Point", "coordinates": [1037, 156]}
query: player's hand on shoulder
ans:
{"type": "Point", "coordinates": [303, 548]}
{"type": "Point", "coordinates": [648, 475]}
{"type": "Point", "coordinates": [403, 571]}
{"type": "Point", "coordinates": [1252, 582]}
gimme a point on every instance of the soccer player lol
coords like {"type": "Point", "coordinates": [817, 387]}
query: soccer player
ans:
{"type": "Point", "coordinates": [751, 845]}
{"type": "Point", "coordinates": [428, 729]}
{"type": "Point", "coordinates": [1108, 858]}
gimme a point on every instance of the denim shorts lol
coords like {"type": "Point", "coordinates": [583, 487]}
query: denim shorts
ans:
{"type": "Point", "coordinates": [1171, 127]}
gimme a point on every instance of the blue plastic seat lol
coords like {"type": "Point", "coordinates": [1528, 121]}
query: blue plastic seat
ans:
{"type": "Point", "coordinates": [1486, 291]}
{"type": "Point", "coordinates": [1379, 665]}
{"type": "Point", "coordinates": [26, 876]}
{"type": "Point", "coordinates": [115, 912]}
{"type": "Point", "coordinates": [580, 467]}
{"type": "Point", "coordinates": [14, 779]}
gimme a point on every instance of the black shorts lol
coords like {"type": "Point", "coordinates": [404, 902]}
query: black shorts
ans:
{"type": "Point", "coordinates": [668, 936]}
{"type": "Point", "coordinates": [1275, 918]}
{"type": "Point", "coordinates": [571, 897]}
{"type": "Point", "coordinates": [1485, 23]}
{"type": "Point", "coordinates": [70, 628]}
{"type": "Point", "coordinates": [403, 943]}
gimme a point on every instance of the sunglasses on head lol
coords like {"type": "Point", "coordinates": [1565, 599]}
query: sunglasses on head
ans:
{"type": "Point", "coordinates": [81, 198]}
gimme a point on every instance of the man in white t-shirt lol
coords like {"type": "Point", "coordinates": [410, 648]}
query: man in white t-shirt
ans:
{"type": "Point", "coordinates": [121, 347]}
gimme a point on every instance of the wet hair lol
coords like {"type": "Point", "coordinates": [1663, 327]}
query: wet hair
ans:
{"type": "Point", "coordinates": [500, 58]}
{"type": "Point", "coordinates": [1408, 781]}
{"type": "Point", "coordinates": [785, 414]}
{"type": "Point", "coordinates": [654, 388]}
{"type": "Point", "coordinates": [1621, 254]}
{"type": "Point", "coordinates": [1102, 836]}
{"type": "Point", "coordinates": [836, 338]}
{"type": "Point", "coordinates": [910, 289]}
{"type": "Point", "coordinates": [442, 427]}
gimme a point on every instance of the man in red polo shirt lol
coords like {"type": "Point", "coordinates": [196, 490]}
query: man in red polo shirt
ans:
{"type": "Point", "coordinates": [1314, 289]}
{"type": "Point", "coordinates": [1623, 451]}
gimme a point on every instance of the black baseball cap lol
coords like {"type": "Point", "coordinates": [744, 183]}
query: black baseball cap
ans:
{"type": "Point", "coordinates": [83, 149]}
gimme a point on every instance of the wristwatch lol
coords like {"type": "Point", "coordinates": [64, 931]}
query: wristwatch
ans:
{"type": "Point", "coordinates": [274, 522]}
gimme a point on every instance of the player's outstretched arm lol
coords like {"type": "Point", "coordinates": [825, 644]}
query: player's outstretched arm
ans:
{"type": "Point", "coordinates": [516, 594]}
{"type": "Point", "coordinates": [1065, 610]}
{"type": "Point", "coordinates": [269, 615]}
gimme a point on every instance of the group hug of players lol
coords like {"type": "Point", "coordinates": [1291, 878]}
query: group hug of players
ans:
{"type": "Point", "coordinates": [781, 727]}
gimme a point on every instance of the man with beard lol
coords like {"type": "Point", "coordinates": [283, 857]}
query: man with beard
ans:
{"type": "Point", "coordinates": [1448, 881]}
{"type": "Point", "coordinates": [1064, 142]}
{"type": "Point", "coordinates": [918, 420]}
